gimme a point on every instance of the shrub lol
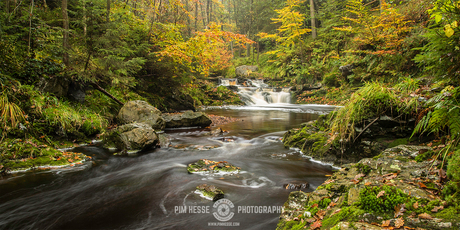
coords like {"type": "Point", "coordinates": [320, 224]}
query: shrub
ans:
{"type": "Point", "coordinates": [372, 100]}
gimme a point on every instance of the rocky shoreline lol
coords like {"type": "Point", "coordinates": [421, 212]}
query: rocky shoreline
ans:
{"type": "Point", "coordinates": [396, 189]}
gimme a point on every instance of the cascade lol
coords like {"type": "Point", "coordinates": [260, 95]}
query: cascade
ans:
{"type": "Point", "coordinates": [256, 92]}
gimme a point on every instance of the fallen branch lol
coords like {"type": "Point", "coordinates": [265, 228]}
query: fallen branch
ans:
{"type": "Point", "coordinates": [365, 128]}
{"type": "Point", "coordinates": [95, 85]}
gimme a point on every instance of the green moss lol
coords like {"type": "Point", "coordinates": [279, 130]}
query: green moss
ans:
{"type": "Point", "coordinates": [450, 213]}
{"type": "Point", "coordinates": [370, 200]}
{"type": "Point", "coordinates": [362, 168]}
{"type": "Point", "coordinates": [351, 213]}
{"type": "Point", "coordinates": [17, 154]}
{"type": "Point", "coordinates": [322, 204]}
{"type": "Point", "coordinates": [205, 165]}
{"type": "Point", "coordinates": [400, 141]}
{"type": "Point", "coordinates": [424, 156]}
{"type": "Point", "coordinates": [291, 225]}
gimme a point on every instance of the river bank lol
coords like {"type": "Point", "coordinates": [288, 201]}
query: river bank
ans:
{"type": "Point", "coordinates": [390, 178]}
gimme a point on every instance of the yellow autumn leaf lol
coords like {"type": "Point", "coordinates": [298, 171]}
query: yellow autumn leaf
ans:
{"type": "Point", "coordinates": [448, 30]}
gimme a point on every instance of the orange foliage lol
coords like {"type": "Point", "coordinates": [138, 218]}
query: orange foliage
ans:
{"type": "Point", "coordinates": [205, 52]}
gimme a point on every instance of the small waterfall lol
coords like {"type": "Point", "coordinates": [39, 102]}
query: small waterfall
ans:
{"type": "Point", "coordinates": [256, 92]}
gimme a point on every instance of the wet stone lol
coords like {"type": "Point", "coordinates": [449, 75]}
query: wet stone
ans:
{"type": "Point", "coordinates": [210, 192]}
{"type": "Point", "coordinates": [208, 167]}
{"type": "Point", "coordinates": [296, 185]}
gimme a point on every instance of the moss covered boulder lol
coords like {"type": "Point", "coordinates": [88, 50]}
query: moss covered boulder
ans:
{"type": "Point", "coordinates": [186, 119]}
{"type": "Point", "coordinates": [141, 112]}
{"type": "Point", "coordinates": [209, 192]}
{"type": "Point", "coordinates": [208, 166]}
{"type": "Point", "coordinates": [391, 190]}
{"type": "Point", "coordinates": [27, 154]}
{"type": "Point", "coordinates": [132, 137]}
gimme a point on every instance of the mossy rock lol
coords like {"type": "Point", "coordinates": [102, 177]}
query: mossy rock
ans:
{"type": "Point", "coordinates": [208, 166]}
{"type": "Point", "coordinates": [22, 155]}
{"type": "Point", "coordinates": [210, 192]}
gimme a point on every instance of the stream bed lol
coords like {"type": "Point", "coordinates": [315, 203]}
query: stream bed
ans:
{"type": "Point", "coordinates": [150, 191]}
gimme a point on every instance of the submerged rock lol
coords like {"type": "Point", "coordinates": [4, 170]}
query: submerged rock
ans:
{"type": "Point", "coordinates": [141, 112]}
{"type": "Point", "coordinates": [296, 185]}
{"type": "Point", "coordinates": [134, 136]}
{"type": "Point", "coordinates": [186, 119]}
{"type": "Point", "coordinates": [210, 192]}
{"type": "Point", "coordinates": [208, 166]}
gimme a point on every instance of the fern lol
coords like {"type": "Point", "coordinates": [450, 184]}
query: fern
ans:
{"type": "Point", "coordinates": [444, 115]}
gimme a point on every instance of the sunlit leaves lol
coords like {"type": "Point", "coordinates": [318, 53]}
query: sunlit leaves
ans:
{"type": "Point", "coordinates": [292, 26]}
{"type": "Point", "coordinates": [204, 52]}
{"type": "Point", "coordinates": [385, 32]}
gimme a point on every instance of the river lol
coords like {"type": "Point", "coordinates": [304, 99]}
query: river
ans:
{"type": "Point", "coordinates": [148, 191]}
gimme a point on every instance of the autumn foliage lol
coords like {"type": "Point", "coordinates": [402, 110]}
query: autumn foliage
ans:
{"type": "Point", "coordinates": [376, 32]}
{"type": "Point", "coordinates": [205, 52]}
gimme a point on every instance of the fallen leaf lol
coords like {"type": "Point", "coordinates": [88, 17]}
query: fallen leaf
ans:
{"type": "Point", "coordinates": [390, 176]}
{"type": "Point", "coordinates": [368, 183]}
{"type": "Point", "coordinates": [320, 214]}
{"type": "Point", "coordinates": [385, 223]}
{"type": "Point", "coordinates": [399, 210]}
{"type": "Point", "coordinates": [316, 225]}
{"type": "Point", "coordinates": [399, 222]}
{"type": "Point", "coordinates": [314, 205]}
{"type": "Point", "coordinates": [336, 211]}
{"type": "Point", "coordinates": [381, 193]}
{"type": "Point", "coordinates": [332, 204]}
{"type": "Point", "coordinates": [437, 208]}
{"type": "Point", "coordinates": [425, 216]}
{"type": "Point", "coordinates": [415, 205]}
{"type": "Point", "coordinates": [422, 185]}
{"type": "Point", "coordinates": [359, 176]}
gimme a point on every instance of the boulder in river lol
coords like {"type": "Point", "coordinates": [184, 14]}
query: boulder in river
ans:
{"type": "Point", "coordinates": [209, 192]}
{"type": "Point", "coordinates": [132, 137]}
{"type": "Point", "coordinates": [296, 185]}
{"type": "Point", "coordinates": [186, 119]}
{"type": "Point", "coordinates": [208, 166]}
{"type": "Point", "coordinates": [245, 70]}
{"type": "Point", "coordinates": [141, 112]}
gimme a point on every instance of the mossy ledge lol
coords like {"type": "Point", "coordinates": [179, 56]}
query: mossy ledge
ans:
{"type": "Point", "coordinates": [23, 155]}
{"type": "Point", "coordinates": [377, 193]}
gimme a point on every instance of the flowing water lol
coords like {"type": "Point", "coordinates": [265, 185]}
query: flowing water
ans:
{"type": "Point", "coordinates": [147, 191]}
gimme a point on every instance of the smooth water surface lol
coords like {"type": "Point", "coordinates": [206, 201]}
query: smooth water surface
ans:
{"type": "Point", "coordinates": [144, 192]}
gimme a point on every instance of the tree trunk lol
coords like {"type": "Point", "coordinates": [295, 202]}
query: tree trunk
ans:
{"type": "Point", "coordinates": [189, 23]}
{"type": "Point", "coordinates": [203, 15]}
{"type": "Point", "coordinates": [196, 17]}
{"type": "Point", "coordinates": [7, 7]}
{"type": "Point", "coordinates": [84, 18]}
{"type": "Point", "coordinates": [207, 11]}
{"type": "Point", "coordinates": [65, 36]}
{"type": "Point", "coordinates": [108, 12]}
{"type": "Point", "coordinates": [258, 52]}
{"type": "Point", "coordinates": [30, 24]}
{"type": "Point", "coordinates": [313, 20]}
